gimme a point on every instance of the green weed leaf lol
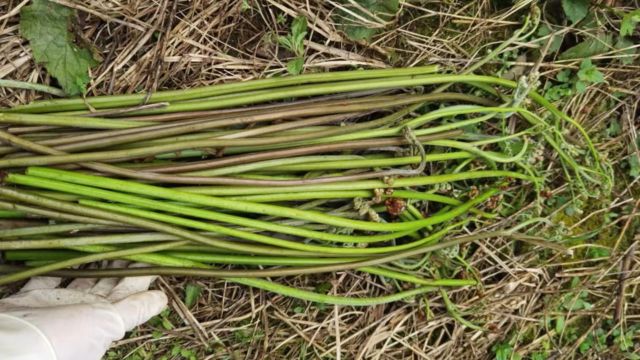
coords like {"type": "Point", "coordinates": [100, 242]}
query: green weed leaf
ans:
{"type": "Point", "coordinates": [299, 26]}
{"type": "Point", "coordinates": [573, 303]}
{"type": "Point", "coordinates": [49, 28]}
{"type": "Point", "coordinates": [634, 166]}
{"type": "Point", "coordinates": [581, 86]}
{"type": "Point", "coordinates": [163, 320]}
{"type": "Point", "coordinates": [627, 51]}
{"type": "Point", "coordinates": [575, 10]}
{"type": "Point", "coordinates": [597, 252]}
{"type": "Point", "coordinates": [191, 294]}
{"type": "Point", "coordinates": [365, 19]}
{"type": "Point", "coordinates": [556, 43]}
{"type": "Point", "coordinates": [588, 72]}
{"type": "Point", "coordinates": [295, 66]}
{"type": "Point", "coordinates": [294, 42]}
{"type": "Point", "coordinates": [564, 75]}
{"type": "Point", "coordinates": [245, 5]}
{"type": "Point", "coordinates": [562, 90]}
{"type": "Point", "coordinates": [585, 345]}
{"type": "Point", "coordinates": [559, 324]}
{"type": "Point", "coordinates": [629, 21]}
{"type": "Point", "coordinates": [614, 129]}
{"type": "Point", "coordinates": [285, 41]}
{"type": "Point", "coordinates": [539, 356]}
{"type": "Point", "coordinates": [504, 351]}
{"type": "Point", "coordinates": [558, 92]}
{"type": "Point", "coordinates": [591, 22]}
{"type": "Point", "coordinates": [588, 48]}
{"type": "Point", "coordinates": [323, 288]}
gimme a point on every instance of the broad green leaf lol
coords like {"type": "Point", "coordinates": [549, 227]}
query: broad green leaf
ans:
{"type": "Point", "coordinates": [294, 67]}
{"type": "Point", "coordinates": [581, 86]}
{"type": "Point", "coordinates": [323, 288]}
{"type": "Point", "coordinates": [614, 129]}
{"type": "Point", "coordinates": [49, 28]}
{"type": "Point", "coordinates": [357, 33]}
{"type": "Point", "coordinates": [556, 42]}
{"type": "Point", "coordinates": [503, 351]}
{"type": "Point", "coordinates": [299, 25]}
{"type": "Point", "coordinates": [298, 33]}
{"type": "Point", "coordinates": [559, 324]}
{"type": "Point", "coordinates": [585, 345]}
{"type": "Point", "coordinates": [294, 41]}
{"type": "Point", "coordinates": [627, 52]}
{"type": "Point", "coordinates": [366, 19]}
{"type": "Point", "coordinates": [629, 21]}
{"type": "Point", "coordinates": [575, 10]}
{"type": "Point", "coordinates": [511, 147]}
{"type": "Point", "coordinates": [285, 41]}
{"type": "Point", "coordinates": [588, 48]}
{"type": "Point", "coordinates": [539, 356]}
{"type": "Point", "coordinates": [175, 350]}
{"type": "Point", "coordinates": [245, 5]}
{"type": "Point", "coordinates": [591, 22]}
{"type": "Point", "coordinates": [166, 324]}
{"type": "Point", "coordinates": [558, 92]}
{"type": "Point", "coordinates": [564, 75]}
{"type": "Point", "coordinates": [571, 210]}
{"type": "Point", "coordinates": [571, 303]}
{"type": "Point", "coordinates": [191, 295]}
{"type": "Point", "coordinates": [589, 73]}
{"type": "Point", "coordinates": [597, 252]}
{"type": "Point", "coordinates": [298, 43]}
{"type": "Point", "coordinates": [634, 165]}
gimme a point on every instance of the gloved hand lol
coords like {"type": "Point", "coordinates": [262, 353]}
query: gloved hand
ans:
{"type": "Point", "coordinates": [78, 322]}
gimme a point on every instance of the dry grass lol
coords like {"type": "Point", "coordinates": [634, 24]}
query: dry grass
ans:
{"type": "Point", "coordinates": [161, 44]}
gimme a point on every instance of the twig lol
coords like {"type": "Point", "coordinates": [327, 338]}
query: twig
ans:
{"type": "Point", "coordinates": [625, 267]}
{"type": "Point", "coordinates": [184, 313]}
{"type": "Point", "coordinates": [31, 86]}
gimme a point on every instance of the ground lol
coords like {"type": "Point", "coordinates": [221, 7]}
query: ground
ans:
{"type": "Point", "coordinates": [533, 303]}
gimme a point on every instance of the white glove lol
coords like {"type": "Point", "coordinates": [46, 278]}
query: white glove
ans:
{"type": "Point", "coordinates": [75, 323]}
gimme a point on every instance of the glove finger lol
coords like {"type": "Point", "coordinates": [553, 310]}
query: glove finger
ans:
{"type": "Point", "coordinates": [41, 282]}
{"type": "Point", "coordinates": [104, 286]}
{"type": "Point", "coordinates": [82, 284]}
{"type": "Point", "coordinates": [131, 285]}
{"type": "Point", "coordinates": [119, 264]}
{"type": "Point", "coordinates": [139, 308]}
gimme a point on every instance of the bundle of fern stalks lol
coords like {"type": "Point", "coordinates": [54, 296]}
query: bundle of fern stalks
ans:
{"type": "Point", "coordinates": [255, 182]}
